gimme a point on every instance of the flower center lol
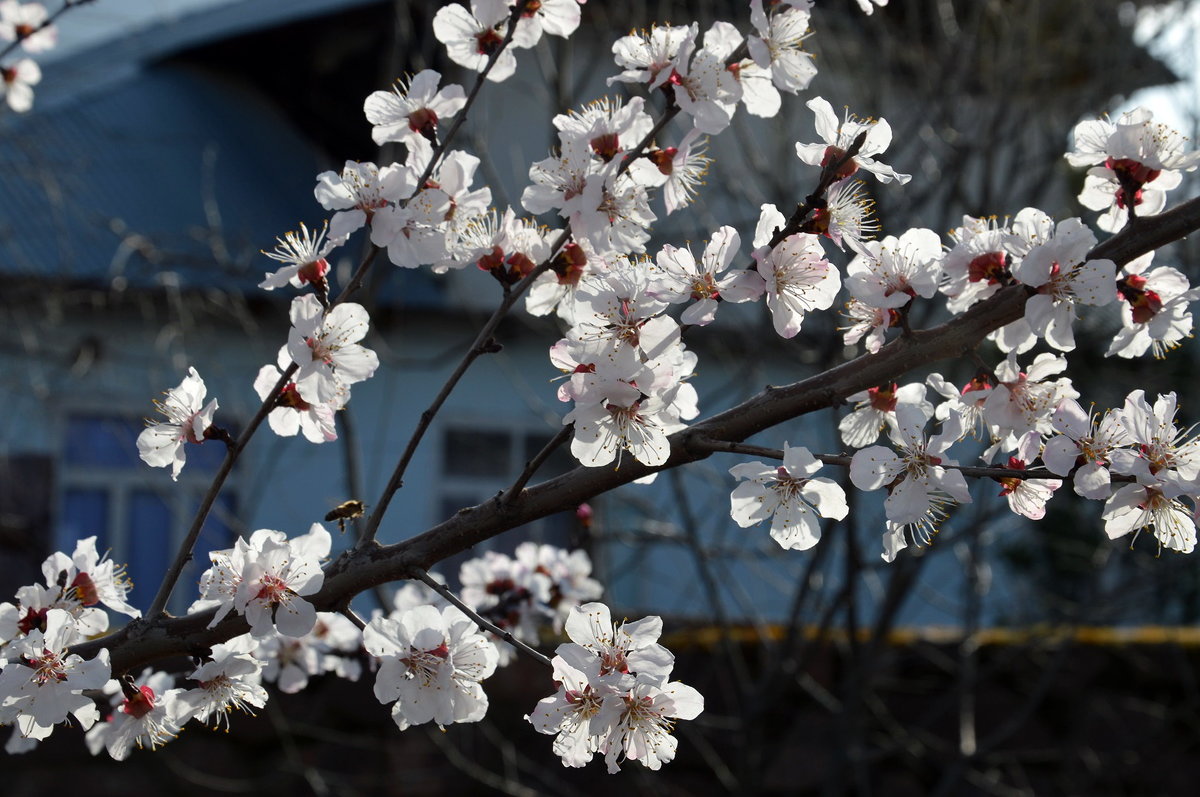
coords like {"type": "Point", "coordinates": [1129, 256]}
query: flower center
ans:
{"type": "Point", "coordinates": [140, 704]}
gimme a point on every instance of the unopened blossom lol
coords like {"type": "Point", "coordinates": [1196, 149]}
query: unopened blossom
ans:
{"type": "Point", "coordinates": [431, 666]}
{"type": "Point", "coordinates": [188, 419]}
{"type": "Point", "coordinates": [412, 108]}
{"type": "Point", "coordinates": [1084, 445]}
{"type": "Point", "coordinates": [326, 348]}
{"type": "Point", "coordinates": [789, 495]}
{"type": "Point", "coordinates": [304, 257]}
{"type": "Point", "coordinates": [359, 191]}
{"type": "Point", "coordinates": [679, 278]}
{"type": "Point", "coordinates": [838, 136]}
{"type": "Point", "coordinates": [473, 37]}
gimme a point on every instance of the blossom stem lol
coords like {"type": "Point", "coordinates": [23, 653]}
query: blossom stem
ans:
{"type": "Point", "coordinates": [444, 591]}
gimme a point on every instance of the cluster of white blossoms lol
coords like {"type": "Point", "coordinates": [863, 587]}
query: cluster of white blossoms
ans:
{"type": "Point", "coordinates": [538, 586]}
{"type": "Point", "coordinates": [42, 683]}
{"type": "Point", "coordinates": [614, 696]}
{"type": "Point", "coordinates": [1134, 161]}
{"type": "Point", "coordinates": [627, 374]}
{"type": "Point", "coordinates": [267, 578]}
{"type": "Point", "coordinates": [27, 26]}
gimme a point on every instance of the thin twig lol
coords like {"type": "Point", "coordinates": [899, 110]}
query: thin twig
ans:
{"type": "Point", "coordinates": [357, 569]}
{"type": "Point", "coordinates": [47, 22]}
{"type": "Point", "coordinates": [708, 444]}
{"type": "Point", "coordinates": [532, 465]}
{"type": "Point", "coordinates": [483, 344]}
{"type": "Point", "coordinates": [184, 555]}
{"type": "Point", "coordinates": [353, 617]}
{"type": "Point", "coordinates": [486, 625]}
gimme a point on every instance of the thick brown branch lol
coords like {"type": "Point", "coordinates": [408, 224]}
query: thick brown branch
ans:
{"type": "Point", "coordinates": [359, 569]}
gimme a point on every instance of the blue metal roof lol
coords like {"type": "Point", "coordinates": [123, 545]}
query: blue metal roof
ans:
{"type": "Point", "coordinates": [171, 177]}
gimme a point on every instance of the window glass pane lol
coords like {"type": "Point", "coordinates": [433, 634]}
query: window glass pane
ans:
{"type": "Point", "coordinates": [84, 513]}
{"type": "Point", "coordinates": [98, 441]}
{"type": "Point", "coordinates": [472, 453]}
{"type": "Point", "coordinates": [150, 545]}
